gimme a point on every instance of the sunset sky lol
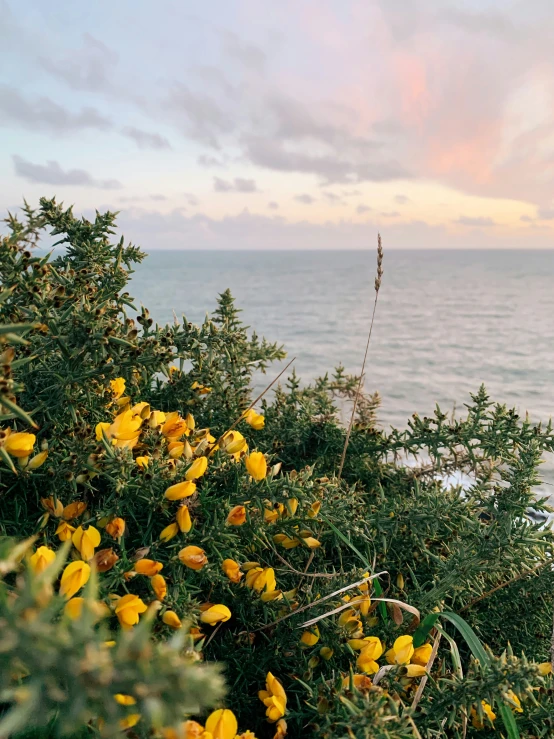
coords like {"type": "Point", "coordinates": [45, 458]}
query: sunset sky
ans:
{"type": "Point", "coordinates": [290, 124]}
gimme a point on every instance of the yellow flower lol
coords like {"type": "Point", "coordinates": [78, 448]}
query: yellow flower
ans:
{"type": "Point", "coordinates": [402, 651]}
{"type": "Point", "coordinates": [142, 462]}
{"type": "Point", "coordinates": [260, 578]}
{"type": "Point", "coordinates": [349, 621]}
{"type": "Point", "coordinates": [176, 449]}
{"type": "Point", "coordinates": [326, 652]}
{"type": "Point", "coordinates": [274, 698]}
{"type": "Point", "coordinates": [148, 567]}
{"type": "Point", "coordinates": [367, 661]}
{"type": "Point", "coordinates": [232, 570]}
{"type": "Point", "coordinates": [101, 429]}
{"type": "Point", "coordinates": [141, 409]}
{"type": "Point", "coordinates": [74, 510]}
{"type": "Point", "coordinates": [129, 721]}
{"type": "Point", "coordinates": [291, 506]}
{"type": "Point", "coordinates": [159, 586]}
{"type": "Point", "coordinates": [157, 418]}
{"type": "Point", "coordinates": [73, 608]}
{"type": "Point", "coordinates": [311, 637]}
{"type": "Point", "coordinates": [201, 389]}
{"type": "Point", "coordinates": [125, 430]}
{"type": "Point", "coordinates": [197, 468]}
{"type": "Point", "coordinates": [169, 532]}
{"type": "Point", "coordinates": [415, 670]}
{"type": "Point", "coordinates": [545, 668]}
{"type": "Point", "coordinates": [193, 730]}
{"type": "Point", "coordinates": [125, 700]}
{"type": "Point", "coordinates": [19, 444]}
{"type": "Point", "coordinates": [37, 461]}
{"type": "Point", "coordinates": [184, 521]}
{"type": "Point", "coordinates": [488, 712]}
{"type": "Point", "coordinates": [516, 703]}
{"type": "Point", "coordinates": [127, 610]}
{"type": "Point", "coordinates": [170, 618]}
{"type": "Point", "coordinates": [287, 541]}
{"type": "Point", "coordinates": [256, 420]}
{"type": "Point", "coordinates": [237, 516]}
{"type": "Point", "coordinates": [75, 575]}
{"type": "Point", "coordinates": [215, 614]}
{"type": "Point", "coordinates": [256, 465]}
{"type": "Point", "coordinates": [85, 541]}
{"type": "Point", "coordinates": [181, 490]}
{"type": "Point", "coordinates": [40, 560]}
{"type": "Point", "coordinates": [422, 655]}
{"type": "Point", "coordinates": [116, 528]}
{"type": "Point", "coordinates": [234, 443]}
{"type": "Point", "coordinates": [314, 509]}
{"type": "Point", "coordinates": [55, 508]}
{"type": "Point", "coordinates": [280, 729]}
{"type": "Point", "coordinates": [117, 386]}
{"type": "Point", "coordinates": [222, 724]}
{"type": "Point", "coordinates": [65, 531]}
{"type": "Point", "coordinates": [174, 427]}
{"type": "Point", "coordinates": [193, 557]}
{"type": "Point", "coordinates": [360, 682]}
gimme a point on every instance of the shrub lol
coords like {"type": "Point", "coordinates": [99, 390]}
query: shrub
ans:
{"type": "Point", "coordinates": [181, 506]}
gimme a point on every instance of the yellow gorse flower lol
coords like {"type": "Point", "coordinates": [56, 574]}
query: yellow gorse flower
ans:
{"type": "Point", "coordinates": [86, 541]}
{"type": "Point", "coordinates": [159, 586]}
{"type": "Point", "coordinates": [215, 614]}
{"type": "Point", "coordinates": [180, 490]}
{"type": "Point", "coordinates": [274, 698]}
{"type": "Point", "coordinates": [125, 700]}
{"type": "Point", "coordinates": [148, 567]}
{"type": "Point", "coordinates": [117, 386]}
{"type": "Point", "coordinates": [261, 578]}
{"type": "Point", "coordinates": [142, 462]}
{"type": "Point", "coordinates": [197, 468]}
{"type": "Point", "coordinates": [116, 527]}
{"type": "Point", "coordinates": [19, 444]}
{"type": "Point", "coordinates": [65, 531]}
{"type": "Point", "coordinates": [222, 724]}
{"type": "Point", "coordinates": [75, 575]}
{"type": "Point", "coordinates": [127, 610]}
{"type": "Point", "coordinates": [193, 557]}
{"type": "Point", "coordinates": [422, 655]}
{"type": "Point", "coordinates": [37, 461]}
{"type": "Point", "coordinates": [310, 638]}
{"type": "Point", "coordinates": [402, 651]}
{"type": "Point", "coordinates": [256, 420]}
{"type": "Point", "coordinates": [369, 654]}
{"type": "Point", "coordinates": [184, 521]}
{"type": "Point", "coordinates": [256, 465]}
{"type": "Point", "coordinates": [171, 619]}
{"type": "Point", "coordinates": [232, 570]}
{"type": "Point", "coordinates": [169, 532]}
{"type": "Point", "coordinates": [174, 427]}
{"type": "Point", "coordinates": [74, 510]}
{"type": "Point", "coordinates": [237, 516]}
{"type": "Point", "coordinates": [40, 560]}
{"type": "Point", "coordinates": [487, 711]}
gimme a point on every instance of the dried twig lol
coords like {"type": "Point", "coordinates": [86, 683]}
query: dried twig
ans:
{"type": "Point", "coordinates": [358, 389]}
{"type": "Point", "coordinates": [504, 585]}
{"type": "Point", "coordinates": [423, 683]}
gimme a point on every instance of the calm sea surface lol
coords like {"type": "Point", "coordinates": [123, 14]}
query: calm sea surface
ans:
{"type": "Point", "coordinates": [446, 321]}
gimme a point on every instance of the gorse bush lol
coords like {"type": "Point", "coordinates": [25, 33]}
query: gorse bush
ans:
{"type": "Point", "coordinates": [155, 523]}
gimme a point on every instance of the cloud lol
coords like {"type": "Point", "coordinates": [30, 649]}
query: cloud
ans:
{"type": "Point", "coordinates": [207, 160]}
{"type": "Point", "coordinates": [526, 219]}
{"type": "Point", "coordinates": [363, 209]}
{"type": "Point", "coordinates": [476, 222]}
{"type": "Point", "coordinates": [158, 196]}
{"type": "Point", "coordinates": [545, 214]}
{"type": "Point", "coordinates": [273, 205]}
{"type": "Point", "coordinates": [402, 199]}
{"type": "Point", "coordinates": [305, 199]}
{"type": "Point", "coordinates": [45, 115]}
{"type": "Point", "coordinates": [333, 198]}
{"type": "Point", "coordinates": [248, 54]}
{"type": "Point", "coordinates": [146, 140]}
{"type": "Point", "coordinates": [53, 174]}
{"type": "Point", "coordinates": [239, 184]}
{"type": "Point", "coordinates": [89, 68]}
{"type": "Point", "coordinates": [198, 116]}
{"type": "Point", "coordinates": [390, 214]}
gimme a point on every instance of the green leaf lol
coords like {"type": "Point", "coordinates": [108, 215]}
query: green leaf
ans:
{"type": "Point", "coordinates": [424, 629]}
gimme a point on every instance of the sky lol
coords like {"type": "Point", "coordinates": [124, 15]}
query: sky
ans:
{"type": "Point", "coordinates": [298, 124]}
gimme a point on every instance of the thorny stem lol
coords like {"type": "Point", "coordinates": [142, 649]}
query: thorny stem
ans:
{"type": "Point", "coordinates": [360, 381]}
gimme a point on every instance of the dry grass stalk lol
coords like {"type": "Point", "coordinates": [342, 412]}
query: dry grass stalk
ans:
{"type": "Point", "coordinates": [378, 279]}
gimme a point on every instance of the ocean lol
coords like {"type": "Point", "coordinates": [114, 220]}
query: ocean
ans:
{"type": "Point", "coordinates": [446, 321]}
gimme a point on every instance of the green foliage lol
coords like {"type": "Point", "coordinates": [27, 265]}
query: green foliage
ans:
{"type": "Point", "coordinates": [474, 550]}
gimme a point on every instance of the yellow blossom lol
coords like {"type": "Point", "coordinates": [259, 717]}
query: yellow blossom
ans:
{"type": "Point", "coordinates": [40, 560]}
{"type": "Point", "coordinates": [148, 567]}
{"type": "Point", "coordinates": [422, 655]}
{"type": "Point", "coordinates": [125, 430]}
{"type": "Point", "coordinates": [232, 570]}
{"type": "Point", "coordinates": [85, 541]}
{"type": "Point", "coordinates": [256, 465]}
{"type": "Point", "coordinates": [291, 506]}
{"type": "Point", "coordinates": [259, 578]}
{"type": "Point", "coordinates": [360, 682]}
{"type": "Point", "coordinates": [129, 721]}
{"type": "Point", "coordinates": [142, 462]}
{"type": "Point", "coordinates": [157, 418]}
{"type": "Point", "coordinates": [280, 729]}
{"type": "Point", "coordinates": [311, 637]}
{"type": "Point", "coordinates": [256, 420]}
{"type": "Point", "coordinates": [169, 532]}
{"type": "Point", "coordinates": [402, 651]}
{"type": "Point", "coordinates": [487, 711]}
{"type": "Point", "coordinates": [176, 449]}
{"type": "Point", "coordinates": [101, 429]}
{"type": "Point", "coordinates": [349, 621]}
{"type": "Point", "coordinates": [314, 509]}
{"type": "Point", "coordinates": [515, 702]}
{"type": "Point", "coordinates": [73, 608]}
{"type": "Point", "coordinates": [180, 490]}
{"type": "Point", "coordinates": [193, 730]}
{"type": "Point", "coordinates": [326, 653]}
{"type": "Point", "coordinates": [215, 614]}
{"type": "Point", "coordinates": [55, 508]}
{"type": "Point", "coordinates": [37, 461]}
{"type": "Point", "coordinates": [415, 670]}
{"type": "Point", "coordinates": [367, 661]}
{"type": "Point", "coordinates": [236, 516]}
{"type": "Point", "coordinates": [125, 700]}
{"type": "Point", "coordinates": [545, 668]}
{"type": "Point", "coordinates": [65, 531]}
{"type": "Point", "coordinates": [116, 528]}
{"type": "Point", "coordinates": [201, 389]}
{"type": "Point", "coordinates": [74, 510]}
{"type": "Point", "coordinates": [74, 576]}
{"type": "Point", "coordinates": [184, 521]}
{"type": "Point", "coordinates": [274, 698]}
{"type": "Point", "coordinates": [193, 557]}
{"type": "Point", "coordinates": [127, 610]}
{"type": "Point", "coordinates": [170, 618]}
{"type": "Point", "coordinates": [234, 443]}
{"type": "Point", "coordinates": [117, 386]}
{"type": "Point", "coordinates": [174, 427]}
{"type": "Point", "coordinates": [197, 468]}
{"type": "Point", "coordinates": [159, 586]}
{"type": "Point", "coordinates": [222, 724]}
{"type": "Point", "coordinates": [19, 444]}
